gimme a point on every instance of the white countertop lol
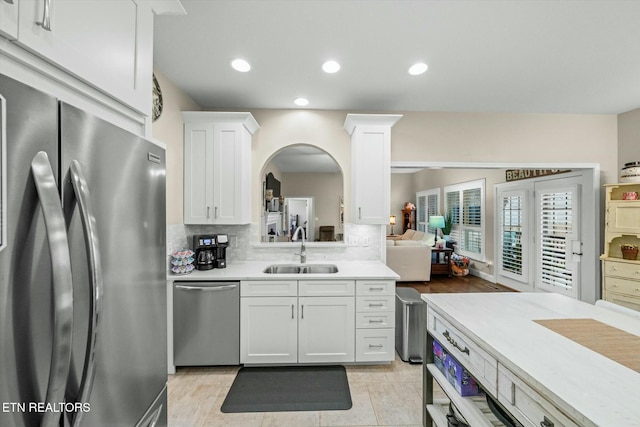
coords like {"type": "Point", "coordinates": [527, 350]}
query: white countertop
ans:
{"type": "Point", "coordinates": [253, 270]}
{"type": "Point", "coordinates": [590, 387]}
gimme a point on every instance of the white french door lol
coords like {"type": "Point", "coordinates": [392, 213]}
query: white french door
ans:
{"type": "Point", "coordinates": [538, 237]}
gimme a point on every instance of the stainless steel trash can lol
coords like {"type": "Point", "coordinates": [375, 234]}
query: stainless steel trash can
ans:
{"type": "Point", "coordinates": [410, 325]}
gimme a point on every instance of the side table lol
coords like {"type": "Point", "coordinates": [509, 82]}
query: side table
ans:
{"type": "Point", "coordinates": [442, 262]}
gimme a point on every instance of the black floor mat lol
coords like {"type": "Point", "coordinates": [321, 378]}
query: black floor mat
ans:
{"type": "Point", "coordinates": [295, 388]}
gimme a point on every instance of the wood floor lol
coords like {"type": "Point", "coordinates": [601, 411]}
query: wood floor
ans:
{"type": "Point", "coordinates": [454, 284]}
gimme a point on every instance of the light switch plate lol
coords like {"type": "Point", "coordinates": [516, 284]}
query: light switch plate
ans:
{"type": "Point", "coordinates": [353, 240]}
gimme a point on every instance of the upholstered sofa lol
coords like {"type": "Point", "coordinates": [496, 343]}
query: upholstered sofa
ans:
{"type": "Point", "coordinates": [409, 255]}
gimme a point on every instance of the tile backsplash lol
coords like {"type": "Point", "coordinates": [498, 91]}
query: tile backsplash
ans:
{"type": "Point", "coordinates": [362, 243]}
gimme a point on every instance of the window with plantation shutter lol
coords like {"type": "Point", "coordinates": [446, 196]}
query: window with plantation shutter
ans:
{"type": "Point", "coordinates": [557, 229]}
{"type": "Point", "coordinates": [428, 203]}
{"type": "Point", "coordinates": [465, 204]}
{"type": "Point", "coordinates": [513, 237]}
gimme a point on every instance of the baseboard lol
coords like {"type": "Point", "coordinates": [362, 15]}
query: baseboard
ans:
{"type": "Point", "coordinates": [481, 274]}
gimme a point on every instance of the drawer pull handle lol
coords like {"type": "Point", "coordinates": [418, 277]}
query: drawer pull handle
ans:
{"type": "Point", "coordinates": [376, 289]}
{"type": "Point", "coordinates": [376, 305]}
{"type": "Point", "coordinates": [376, 321]}
{"type": "Point", "coordinates": [375, 345]}
{"type": "Point", "coordinates": [546, 423]}
{"type": "Point", "coordinates": [454, 343]}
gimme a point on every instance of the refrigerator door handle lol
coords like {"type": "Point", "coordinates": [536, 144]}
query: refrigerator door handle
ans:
{"type": "Point", "coordinates": [47, 190]}
{"type": "Point", "coordinates": [83, 198]}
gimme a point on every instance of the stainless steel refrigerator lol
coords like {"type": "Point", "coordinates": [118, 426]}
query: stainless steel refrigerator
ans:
{"type": "Point", "coordinates": [82, 268]}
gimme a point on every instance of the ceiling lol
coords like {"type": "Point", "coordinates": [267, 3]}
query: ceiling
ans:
{"type": "Point", "coordinates": [540, 56]}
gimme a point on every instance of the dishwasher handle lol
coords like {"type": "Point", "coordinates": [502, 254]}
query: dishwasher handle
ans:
{"type": "Point", "coordinates": [206, 288]}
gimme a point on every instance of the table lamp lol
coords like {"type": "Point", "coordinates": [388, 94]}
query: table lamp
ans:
{"type": "Point", "coordinates": [437, 222]}
{"type": "Point", "coordinates": [392, 221]}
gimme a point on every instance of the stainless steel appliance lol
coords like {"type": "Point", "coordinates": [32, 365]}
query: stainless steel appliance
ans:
{"type": "Point", "coordinates": [210, 251]}
{"type": "Point", "coordinates": [82, 319]}
{"type": "Point", "coordinates": [410, 325]}
{"type": "Point", "coordinates": [206, 323]}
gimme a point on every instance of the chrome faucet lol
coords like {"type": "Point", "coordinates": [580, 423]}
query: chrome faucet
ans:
{"type": "Point", "coordinates": [303, 250]}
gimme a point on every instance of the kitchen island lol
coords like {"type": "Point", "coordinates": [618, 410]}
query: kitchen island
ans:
{"type": "Point", "coordinates": [540, 355]}
{"type": "Point", "coordinates": [347, 316]}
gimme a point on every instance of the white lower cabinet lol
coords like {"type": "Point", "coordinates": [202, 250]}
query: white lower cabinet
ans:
{"type": "Point", "coordinates": [326, 329]}
{"type": "Point", "coordinates": [268, 330]}
{"type": "Point", "coordinates": [314, 321]}
{"type": "Point", "coordinates": [375, 320]}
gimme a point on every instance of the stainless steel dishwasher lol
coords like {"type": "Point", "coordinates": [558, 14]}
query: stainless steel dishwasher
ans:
{"type": "Point", "coordinates": [206, 323]}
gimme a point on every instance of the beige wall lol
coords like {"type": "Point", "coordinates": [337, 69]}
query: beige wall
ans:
{"type": "Point", "coordinates": [168, 129]}
{"type": "Point", "coordinates": [522, 138]}
{"type": "Point", "coordinates": [402, 191]}
{"type": "Point", "coordinates": [628, 137]}
{"type": "Point", "coordinates": [326, 189]}
{"type": "Point", "coordinates": [279, 128]}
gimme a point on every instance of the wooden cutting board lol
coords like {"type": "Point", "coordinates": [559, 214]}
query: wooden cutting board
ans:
{"type": "Point", "coordinates": [613, 343]}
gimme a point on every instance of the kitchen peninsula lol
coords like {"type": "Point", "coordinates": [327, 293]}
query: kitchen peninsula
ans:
{"type": "Point", "coordinates": [346, 316]}
{"type": "Point", "coordinates": [540, 355]}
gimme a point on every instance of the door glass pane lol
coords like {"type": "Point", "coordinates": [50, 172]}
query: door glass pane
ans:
{"type": "Point", "coordinates": [511, 229]}
{"type": "Point", "coordinates": [556, 227]}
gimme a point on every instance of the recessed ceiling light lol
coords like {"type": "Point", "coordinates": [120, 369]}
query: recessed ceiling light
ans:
{"type": "Point", "coordinates": [240, 65]}
{"type": "Point", "coordinates": [418, 68]}
{"type": "Point", "coordinates": [301, 102]}
{"type": "Point", "coordinates": [331, 67]}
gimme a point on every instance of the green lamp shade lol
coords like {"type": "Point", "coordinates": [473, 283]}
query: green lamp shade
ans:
{"type": "Point", "coordinates": [436, 221]}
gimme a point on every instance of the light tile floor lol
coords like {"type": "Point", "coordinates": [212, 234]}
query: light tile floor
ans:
{"type": "Point", "coordinates": [386, 395]}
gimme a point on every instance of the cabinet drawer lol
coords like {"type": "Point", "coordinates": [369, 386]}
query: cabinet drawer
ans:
{"type": "Point", "coordinates": [622, 286]}
{"type": "Point", "coordinates": [375, 320]}
{"type": "Point", "coordinates": [525, 404]}
{"type": "Point", "coordinates": [478, 362]}
{"type": "Point", "coordinates": [375, 345]}
{"type": "Point", "coordinates": [375, 287]}
{"type": "Point", "coordinates": [373, 303]}
{"type": "Point", "coordinates": [622, 269]}
{"type": "Point", "coordinates": [268, 288]}
{"type": "Point", "coordinates": [623, 300]}
{"type": "Point", "coordinates": [326, 288]}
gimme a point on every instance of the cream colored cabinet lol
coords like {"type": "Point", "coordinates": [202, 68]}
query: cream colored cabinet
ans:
{"type": "Point", "coordinates": [375, 320]}
{"type": "Point", "coordinates": [217, 167]}
{"type": "Point", "coordinates": [621, 277]}
{"type": "Point", "coordinates": [306, 321]}
{"type": "Point", "coordinates": [370, 166]}
{"type": "Point", "coordinates": [107, 44]}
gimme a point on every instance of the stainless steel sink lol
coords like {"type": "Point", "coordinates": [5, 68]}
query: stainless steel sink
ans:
{"type": "Point", "coordinates": [301, 269]}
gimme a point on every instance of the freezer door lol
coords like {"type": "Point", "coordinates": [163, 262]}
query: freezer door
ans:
{"type": "Point", "coordinates": [29, 120]}
{"type": "Point", "coordinates": [125, 176]}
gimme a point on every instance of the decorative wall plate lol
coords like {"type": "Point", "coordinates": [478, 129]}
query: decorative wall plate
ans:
{"type": "Point", "coordinates": [156, 107]}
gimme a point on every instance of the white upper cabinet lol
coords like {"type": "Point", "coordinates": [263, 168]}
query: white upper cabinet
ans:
{"type": "Point", "coordinates": [217, 167]}
{"type": "Point", "coordinates": [107, 44]}
{"type": "Point", "coordinates": [370, 166]}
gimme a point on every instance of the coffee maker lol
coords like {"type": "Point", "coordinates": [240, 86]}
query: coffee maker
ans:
{"type": "Point", "coordinates": [210, 251]}
{"type": "Point", "coordinates": [220, 251]}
